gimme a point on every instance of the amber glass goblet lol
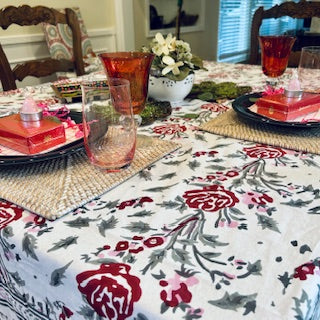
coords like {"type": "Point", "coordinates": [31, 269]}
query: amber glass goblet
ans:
{"type": "Point", "coordinates": [275, 52]}
{"type": "Point", "coordinates": [133, 66]}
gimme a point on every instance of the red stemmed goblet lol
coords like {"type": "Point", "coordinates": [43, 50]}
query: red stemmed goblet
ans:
{"type": "Point", "coordinates": [275, 52]}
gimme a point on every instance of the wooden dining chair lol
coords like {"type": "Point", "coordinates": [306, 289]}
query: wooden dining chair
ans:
{"type": "Point", "coordinates": [298, 10]}
{"type": "Point", "coordinates": [25, 16]}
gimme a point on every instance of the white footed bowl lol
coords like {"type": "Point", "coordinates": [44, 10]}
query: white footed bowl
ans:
{"type": "Point", "coordinates": [164, 89]}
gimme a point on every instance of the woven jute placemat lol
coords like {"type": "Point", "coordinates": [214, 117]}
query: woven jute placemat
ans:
{"type": "Point", "coordinates": [55, 187]}
{"type": "Point", "coordinates": [229, 124]}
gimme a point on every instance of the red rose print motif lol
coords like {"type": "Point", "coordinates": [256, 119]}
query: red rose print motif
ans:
{"type": "Point", "coordinates": [176, 290]}
{"type": "Point", "coordinates": [202, 153]}
{"type": "Point", "coordinates": [169, 129]}
{"type": "Point", "coordinates": [262, 151]}
{"type": "Point", "coordinates": [134, 202]}
{"type": "Point", "coordinates": [110, 290]}
{"type": "Point", "coordinates": [8, 213]}
{"type": "Point", "coordinates": [39, 220]}
{"type": "Point", "coordinates": [65, 314]}
{"type": "Point", "coordinates": [302, 271]}
{"type": "Point", "coordinates": [210, 198]}
{"type": "Point", "coordinates": [138, 244]}
{"type": "Point", "coordinates": [180, 294]}
{"type": "Point", "coordinates": [214, 107]}
{"type": "Point", "coordinates": [153, 242]}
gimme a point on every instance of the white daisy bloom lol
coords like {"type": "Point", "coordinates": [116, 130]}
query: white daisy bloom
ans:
{"type": "Point", "coordinates": [171, 65]}
{"type": "Point", "coordinates": [163, 46]}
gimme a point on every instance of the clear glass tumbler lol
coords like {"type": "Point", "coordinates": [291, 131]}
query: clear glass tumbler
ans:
{"type": "Point", "coordinates": [309, 69]}
{"type": "Point", "coordinates": [108, 123]}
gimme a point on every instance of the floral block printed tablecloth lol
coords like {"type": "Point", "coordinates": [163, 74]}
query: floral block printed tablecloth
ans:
{"type": "Point", "coordinates": [219, 229]}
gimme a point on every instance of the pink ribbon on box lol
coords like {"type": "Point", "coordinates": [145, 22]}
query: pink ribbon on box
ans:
{"type": "Point", "coordinates": [61, 114]}
{"type": "Point", "coordinates": [269, 90]}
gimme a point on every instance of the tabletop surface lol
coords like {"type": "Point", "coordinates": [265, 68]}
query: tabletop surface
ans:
{"type": "Point", "coordinates": [219, 229]}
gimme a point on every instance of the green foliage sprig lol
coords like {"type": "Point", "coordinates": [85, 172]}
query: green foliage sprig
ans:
{"type": "Point", "coordinates": [211, 91]}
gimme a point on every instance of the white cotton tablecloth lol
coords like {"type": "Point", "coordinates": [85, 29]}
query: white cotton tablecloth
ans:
{"type": "Point", "coordinates": [221, 228]}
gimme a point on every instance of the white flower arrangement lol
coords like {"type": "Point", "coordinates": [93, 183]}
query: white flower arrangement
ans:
{"type": "Point", "coordinates": [173, 58]}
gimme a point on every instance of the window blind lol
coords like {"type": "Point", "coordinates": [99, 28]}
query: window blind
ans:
{"type": "Point", "coordinates": [235, 25]}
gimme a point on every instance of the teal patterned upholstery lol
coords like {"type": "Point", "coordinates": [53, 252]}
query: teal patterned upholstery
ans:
{"type": "Point", "coordinates": [59, 42]}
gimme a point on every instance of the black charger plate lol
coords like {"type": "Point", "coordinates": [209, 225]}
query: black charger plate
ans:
{"type": "Point", "coordinates": [242, 103]}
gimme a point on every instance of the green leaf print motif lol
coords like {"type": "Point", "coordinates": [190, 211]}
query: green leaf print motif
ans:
{"type": "Point", "coordinates": [28, 245]}
{"type": "Point", "coordinates": [234, 301]}
{"type": "Point", "coordinates": [107, 224]}
{"type": "Point", "coordinates": [64, 243]}
{"type": "Point", "coordinates": [58, 274]}
{"type": "Point", "coordinates": [139, 227]}
{"type": "Point", "coordinates": [267, 223]}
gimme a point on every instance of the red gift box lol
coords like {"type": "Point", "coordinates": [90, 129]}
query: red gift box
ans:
{"type": "Point", "coordinates": [283, 108]}
{"type": "Point", "coordinates": [31, 137]}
